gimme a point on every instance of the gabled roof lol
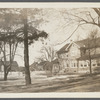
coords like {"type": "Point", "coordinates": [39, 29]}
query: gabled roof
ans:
{"type": "Point", "coordinates": [56, 61]}
{"type": "Point", "coordinates": [14, 65]}
{"type": "Point", "coordinates": [21, 68]}
{"type": "Point", "coordinates": [86, 43]}
{"type": "Point", "coordinates": [43, 62]}
{"type": "Point", "coordinates": [89, 43]}
{"type": "Point", "coordinates": [63, 49]}
{"type": "Point", "coordinates": [33, 64]}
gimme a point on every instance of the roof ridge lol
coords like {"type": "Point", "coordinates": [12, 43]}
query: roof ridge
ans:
{"type": "Point", "coordinates": [80, 43]}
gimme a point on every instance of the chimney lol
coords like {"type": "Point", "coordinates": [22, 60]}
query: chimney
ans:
{"type": "Point", "coordinates": [71, 41]}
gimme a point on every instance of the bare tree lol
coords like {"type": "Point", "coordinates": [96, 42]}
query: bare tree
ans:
{"type": "Point", "coordinates": [8, 54]}
{"type": "Point", "coordinates": [48, 57]}
{"type": "Point", "coordinates": [80, 17]}
{"type": "Point", "coordinates": [7, 39]}
{"type": "Point", "coordinates": [29, 34]}
{"type": "Point", "coordinates": [25, 30]}
{"type": "Point", "coordinates": [91, 47]}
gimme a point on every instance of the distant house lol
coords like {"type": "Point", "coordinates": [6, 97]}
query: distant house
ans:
{"type": "Point", "coordinates": [73, 57]}
{"type": "Point", "coordinates": [14, 67]}
{"type": "Point", "coordinates": [56, 66]}
{"type": "Point", "coordinates": [34, 66]}
{"type": "Point", "coordinates": [22, 69]}
{"type": "Point", "coordinates": [37, 66]}
{"type": "Point", "coordinates": [46, 65]}
{"type": "Point", "coordinates": [41, 65]}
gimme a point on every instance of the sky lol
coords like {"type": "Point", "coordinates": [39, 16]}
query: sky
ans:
{"type": "Point", "coordinates": [59, 26]}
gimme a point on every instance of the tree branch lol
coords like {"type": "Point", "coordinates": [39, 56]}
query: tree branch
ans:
{"type": "Point", "coordinates": [69, 36]}
{"type": "Point", "coordinates": [97, 11]}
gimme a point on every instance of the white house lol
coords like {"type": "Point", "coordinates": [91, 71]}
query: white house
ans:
{"type": "Point", "coordinates": [74, 56]}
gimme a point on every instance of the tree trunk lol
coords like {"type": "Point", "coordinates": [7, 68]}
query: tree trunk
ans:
{"type": "Point", "coordinates": [5, 75]}
{"type": "Point", "coordinates": [10, 55]}
{"type": "Point", "coordinates": [97, 11]}
{"type": "Point", "coordinates": [6, 71]}
{"type": "Point", "coordinates": [26, 52]}
{"type": "Point", "coordinates": [90, 68]}
{"type": "Point", "coordinates": [5, 67]}
{"type": "Point", "coordinates": [90, 60]}
{"type": "Point", "coordinates": [77, 66]}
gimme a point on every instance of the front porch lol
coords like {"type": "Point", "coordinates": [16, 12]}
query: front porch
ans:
{"type": "Point", "coordinates": [77, 66]}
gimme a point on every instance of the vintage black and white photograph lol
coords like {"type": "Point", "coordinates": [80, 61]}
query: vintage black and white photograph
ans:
{"type": "Point", "coordinates": [49, 49]}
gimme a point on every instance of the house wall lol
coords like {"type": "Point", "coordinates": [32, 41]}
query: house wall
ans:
{"type": "Point", "coordinates": [98, 50]}
{"type": "Point", "coordinates": [63, 63]}
{"type": "Point", "coordinates": [74, 52]}
{"type": "Point", "coordinates": [68, 60]}
{"type": "Point", "coordinates": [14, 67]}
{"type": "Point", "coordinates": [55, 68]}
{"type": "Point", "coordinates": [93, 51]}
{"type": "Point", "coordinates": [63, 55]}
{"type": "Point", "coordinates": [84, 65]}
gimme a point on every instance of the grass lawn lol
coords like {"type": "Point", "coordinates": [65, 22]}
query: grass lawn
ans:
{"type": "Point", "coordinates": [40, 83]}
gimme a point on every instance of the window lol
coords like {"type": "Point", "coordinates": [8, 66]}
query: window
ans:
{"type": "Point", "coordinates": [67, 65]}
{"type": "Point", "coordinates": [94, 64]}
{"type": "Point", "coordinates": [81, 65]}
{"type": "Point", "coordinates": [85, 65]}
{"type": "Point", "coordinates": [98, 64]}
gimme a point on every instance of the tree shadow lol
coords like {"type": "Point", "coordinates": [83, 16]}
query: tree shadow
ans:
{"type": "Point", "coordinates": [80, 84]}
